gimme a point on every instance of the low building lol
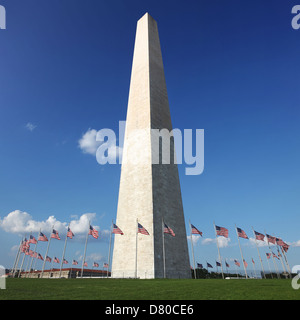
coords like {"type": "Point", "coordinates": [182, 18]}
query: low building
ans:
{"type": "Point", "coordinates": [66, 273]}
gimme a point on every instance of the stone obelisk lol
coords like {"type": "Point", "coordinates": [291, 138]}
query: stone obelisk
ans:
{"type": "Point", "coordinates": [149, 193]}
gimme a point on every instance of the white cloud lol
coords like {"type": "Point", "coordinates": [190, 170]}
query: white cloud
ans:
{"type": "Point", "coordinates": [260, 243]}
{"type": "Point", "coordinates": [81, 225]}
{"type": "Point", "coordinates": [88, 144]}
{"type": "Point", "coordinates": [21, 222]}
{"type": "Point", "coordinates": [30, 126]}
{"type": "Point", "coordinates": [295, 244]}
{"type": "Point", "coordinates": [222, 241]}
{"type": "Point", "coordinates": [195, 238]}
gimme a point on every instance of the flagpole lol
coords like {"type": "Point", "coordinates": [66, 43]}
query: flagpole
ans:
{"type": "Point", "coordinates": [71, 269]}
{"type": "Point", "coordinates": [286, 261]}
{"type": "Point", "coordinates": [22, 264]}
{"type": "Point", "coordinates": [226, 266]}
{"type": "Point", "coordinates": [111, 227]}
{"type": "Point", "coordinates": [63, 256]}
{"type": "Point", "coordinates": [280, 258]}
{"type": "Point", "coordinates": [136, 247]}
{"type": "Point", "coordinates": [86, 240]}
{"type": "Point", "coordinates": [33, 254]}
{"type": "Point", "coordinates": [207, 267]}
{"type": "Point", "coordinates": [243, 261]}
{"type": "Point", "coordinates": [254, 267]}
{"type": "Point", "coordinates": [269, 267]}
{"type": "Point", "coordinates": [277, 270]}
{"type": "Point", "coordinates": [164, 256]}
{"type": "Point", "coordinates": [22, 261]}
{"type": "Point", "coordinates": [272, 256]}
{"type": "Point", "coordinates": [236, 270]}
{"type": "Point", "coordinates": [16, 259]}
{"type": "Point", "coordinates": [259, 254]}
{"type": "Point", "coordinates": [45, 257]}
{"type": "Point", "coordinates": [36, 258]}
{"type": "Point", "coordinates": [26, 270]}
{"type": "Point", "coordinates": [192, 249]}
{"type": "Point", "coordinates": [219, 250]}
{"type": "Point", "coordinates": [284, 265]}
{"type": "Point", "coordinates": [51, 269]}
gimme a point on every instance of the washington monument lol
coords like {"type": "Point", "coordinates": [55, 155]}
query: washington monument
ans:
{"type": "Point", "coordinates": [149, 194]}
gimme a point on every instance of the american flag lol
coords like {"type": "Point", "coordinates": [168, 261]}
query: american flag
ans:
{"type": "Point", "coordinates": [56, 260]}
{"type": "Point", "coordinates": [271, 239]}
{"type": "Point", "coordinates": [117, 230]}
{"type": "Point", "coordinates": [199, 265]}
{"type": "Point", "coordinates": [48, 259]}
{"type": "Point", "coordinates": [195, 230]}
{"type": "Point", "coordinates": [241, 233]}
{"type": "Point", "coordinates": [259, 236]}
{"type": "Point", "coordinates": [75, 263]}
{"type": "Point", "coordinates": [218, 264]}
{"type": "Point", "coordinates": [85, 264]}
{"type": "Point", "coordinates": [222, 231]}
{"type": "Point", "coordinates": [245, 263]}
{"type": "Point", "coordinates": [237, 263]}
{"type": "Point", "coordinates": [34, 254]}
{"type": "Point", "coordinates": [25, 241]}
{"type": "Point", "coordinates": [70, 234]}
{"type": "Point", "coordinates": [32, 239]}
{"type": "Point", "coordinates": [209, 265]}
{"type": "Point", "coordinates": [96, 265]}
{"type": "Point", "coordinates": [268, 255]}
{"type": "Point", "coordinates": [24, 246]}
{"type": "Point", "coordinates": [274, 255]}
{"type": "Point", "coordinates": [168, 230]}
{"type": "Point", "coordinates": [42, 237]}
{"type": "Point", "coordinates": [55, 235]}
{"type": "Point", "coordinates": [105, 265]}
{"type": "Point", "coordinates": [227, 265]}
{"type": "Point", "coordinates": [279, 242]}
{"type": "Point", "coordinates": [285, 247]}
{"type": "Point", "coordinates": [40, 257]}
{"type": "Point", "coordinates": [142, 230]}
{"type": "Point", "coordinates": [65, 261]}
{"type": "Point", "coordinates": [93, 232]}
{"type": "Point", "coordinates": [253, 261]}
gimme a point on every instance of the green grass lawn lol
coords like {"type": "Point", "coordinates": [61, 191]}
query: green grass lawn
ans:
{"type": "Point", "coordinates": [158, 289]}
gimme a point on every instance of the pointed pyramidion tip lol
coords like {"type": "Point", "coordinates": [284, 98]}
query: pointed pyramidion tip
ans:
{"type": "Point", "coordinates": [145, 16]}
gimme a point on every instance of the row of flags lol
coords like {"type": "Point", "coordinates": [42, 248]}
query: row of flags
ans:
{"type": "Point", "coordinates": [25, 248]}
{"type": "Point", "coordinates": [219, 264]}
{"type": "Point", "coordinates": [220, 231]}
{"type": "Point", "coordinates": [56, 260]}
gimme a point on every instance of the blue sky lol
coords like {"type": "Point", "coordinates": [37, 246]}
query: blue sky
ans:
{"type": "Point", "coordinates": [232, 69]}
